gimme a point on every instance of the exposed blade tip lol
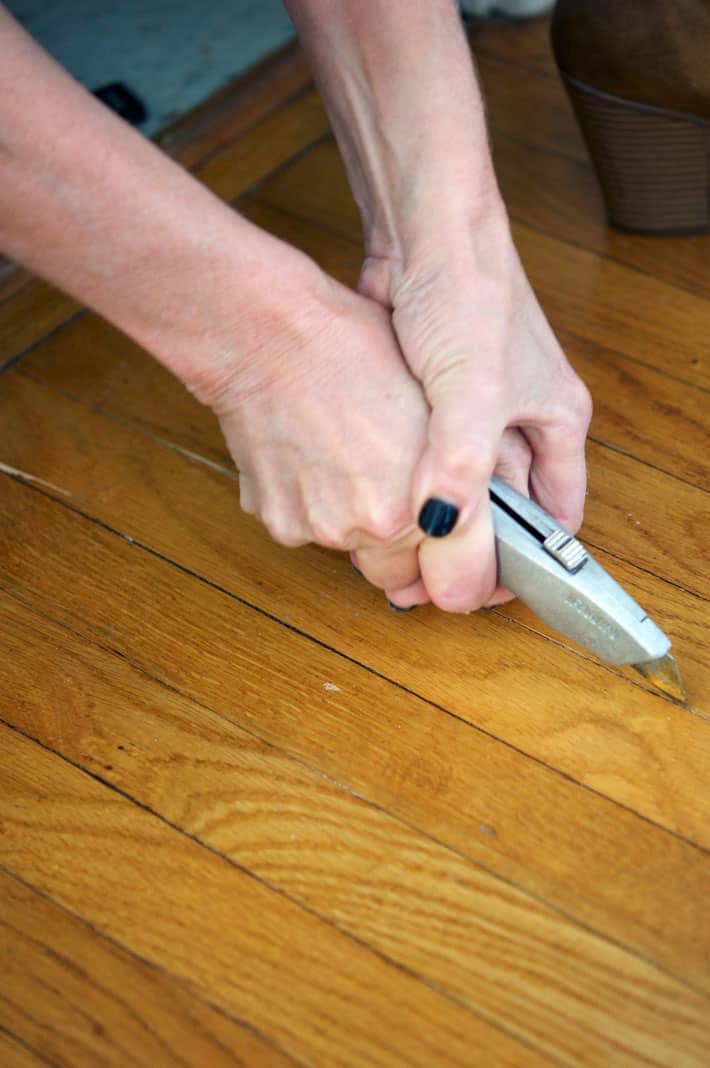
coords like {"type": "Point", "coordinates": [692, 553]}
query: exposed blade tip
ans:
{"type": "Point", "coordinates": [665, 675]}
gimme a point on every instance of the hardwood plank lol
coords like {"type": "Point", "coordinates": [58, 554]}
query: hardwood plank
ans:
{"type": "Point", "coordinates": [228, 113]}
{"type": "Point", "coordinates": [29, 315]}
{"type": "Point", "coordinates": [629, 312]}
{"type": "Point", "coordinates": [265, 147]}
{"type": "Point", "coordinates": [525, 43]}
{"type": "Point", "coordinates": [323, 997]}
{"type": "Point", "coordinates": [643, 412]}
{"type": "Point", "coordinates": [12, 278]}
{"type": "Point", "coordinates": [487, 801]}
{"type": "Point", "coordinates": [14, 1055]}
{"type": "Point", "coordinates": [583, 293]}
{"type": "Point", "coordinates": [411, 899]}
{"type": "Point", "coordinates": [561, 197]}
{"type": "Point", "coordinates": [78, 999]}
{"type": "Point", "coordinates": [638, 410]}
{"type": "Point", "coordinates": [531, 105]}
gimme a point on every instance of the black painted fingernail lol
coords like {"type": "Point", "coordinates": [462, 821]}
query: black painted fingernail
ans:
{"type": "Point", "coordinates": [396, 607]}
{"type": "Point", "coordinates": [357, 570]}
{"type": "Point", "coordinates": [438, 518]}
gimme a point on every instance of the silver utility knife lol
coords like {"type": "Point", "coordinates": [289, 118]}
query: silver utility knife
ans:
{"type": "Point", "coordinates": [552, 572]}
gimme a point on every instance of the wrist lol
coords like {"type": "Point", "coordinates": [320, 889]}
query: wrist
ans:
{"type": "Point", "coordinates": [257, 297]}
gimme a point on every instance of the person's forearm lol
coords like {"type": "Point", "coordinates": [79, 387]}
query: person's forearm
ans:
{"type": "Point", "coordinates": [89, 204]}
{"type": "Point", "coordinates": [401, 92]}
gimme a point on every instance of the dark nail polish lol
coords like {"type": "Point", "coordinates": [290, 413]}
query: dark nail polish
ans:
{"type": "Point", "coordinates": [396, 607]}
{"type": "Point", "coordinates": [357, 570]}
{"type": "Point", "coordinates": [438, 518]}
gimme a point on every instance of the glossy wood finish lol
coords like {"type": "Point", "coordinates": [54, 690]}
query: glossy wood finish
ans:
{"type": "Point", "coordinates": [248, 815]}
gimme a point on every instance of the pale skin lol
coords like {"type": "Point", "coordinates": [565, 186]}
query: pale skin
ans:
{"type": "Point", "coordinates": [344, 411]}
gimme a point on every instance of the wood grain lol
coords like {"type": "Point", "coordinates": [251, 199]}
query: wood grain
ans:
{"type": "Point", "coordinates": [227, 114]}
{"type": "Point", "coordinates": [76, 998]}
{"type": "Point", "coordinates": [409, 898]}
{"type": "Point", "coordinates": [14, 1055]}
{"type": "Point", "coordinates": [324, 997]}
{"type": "Point", "coordinates": [525, 43]}
{"type": "Point", "coordinates": [30, 314]}
{"type": "Point", "coordinates": [487, 801]}
{"type": "Point", "coordinates": [232, 169]}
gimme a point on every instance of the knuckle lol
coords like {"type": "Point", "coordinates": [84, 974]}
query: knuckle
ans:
{"type": "Point", "coordinates": [329, 533]}
{"type": "Point", "coordinates": [470, 462]}
{"type": "Point", "coordinates": [385, 521]}
{"type": "Point", "coordinates": [281, 529]}
{"type": "Point", "coordinates": [576, 404]}
{"type": "Point", "coordinates": [584, 404]}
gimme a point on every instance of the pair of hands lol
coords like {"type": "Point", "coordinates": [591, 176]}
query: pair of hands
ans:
{"type": "Point", "coordinates": [436, 373]}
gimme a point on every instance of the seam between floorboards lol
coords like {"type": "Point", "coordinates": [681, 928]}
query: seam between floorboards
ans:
{"type": "Point", "coordinates": [15, 359]}
{"type": "Point", "coordinates": [395, 817]}
{"type": "Point", "coordinates": [41, 1057]}
{"type": "Point", "coordinates": [308, 909]}
{"type": "Point", "coordinates": [233, 141]}
{"type": "Point", "coordinates": [366, 667]}
{"type": "Point", "coordinates": [132, 953]}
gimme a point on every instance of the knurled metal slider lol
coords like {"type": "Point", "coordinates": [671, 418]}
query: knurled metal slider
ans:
{"type": "Point", "coordinates": [566, 550]}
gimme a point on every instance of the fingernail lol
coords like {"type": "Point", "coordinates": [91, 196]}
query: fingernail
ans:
{"type": "Point", "coordinates": [438, 518]}
{"type": "Point", "coordinates": [396, 607]}
{"type": "Point", "coordinates": [357, 570]}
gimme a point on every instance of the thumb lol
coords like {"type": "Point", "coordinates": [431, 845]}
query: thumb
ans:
{"type": "Point", "coordinates": [452, 475]}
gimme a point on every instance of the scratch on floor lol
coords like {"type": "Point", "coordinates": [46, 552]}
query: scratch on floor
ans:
{"type": "Point", "coordinates": [16, 473]}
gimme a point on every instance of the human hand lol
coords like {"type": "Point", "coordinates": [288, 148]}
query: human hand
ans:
{"type": "Point", "coordinates": [503, 398]}
{"type": "Point", "coordinates": [326, 424]}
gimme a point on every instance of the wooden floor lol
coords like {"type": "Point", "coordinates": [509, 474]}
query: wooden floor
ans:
{"type": "Point", "coordinates": [248, 815]}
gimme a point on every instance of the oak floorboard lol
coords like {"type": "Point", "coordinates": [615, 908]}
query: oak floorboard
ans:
{"type": "Point", "coordinates": [265, 147]}
{"type": "Point", "coordinates": [78, 999]}
{"type": "Point", "coordinates": [525, 43]}
{"type": "Point", "coordinates": [637, 410]}
{"type": "Point", "coordinates": [466, 933]}
{"type": "Point", "coordinates": [230, 112]}
{"type": "Point", "coordinates": [562, 198]}
{"type": "Point", "coordinates": [13, 1054]}
{"type": "Point", "coordinates": [489, 802]}
{"type": "Point", "coordinates": [30, 315]}
{"type": "Point", "coordinates": [321, 996]}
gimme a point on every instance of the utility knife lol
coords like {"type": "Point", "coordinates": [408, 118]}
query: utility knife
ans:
{"type": "Point", "coordinates": [559, 579]}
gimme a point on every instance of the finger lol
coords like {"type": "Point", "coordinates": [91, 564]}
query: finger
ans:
{"type": "Point", "coordinates": [247, 494]}
{"type": "Point", "coordinates": [391, 567]}
{"type": "Point", "coordinates": [408, 596]}
{"type": "Point", "coordinates": [558, 476]}
{"type": "Point", "coordinates": [459, 571]}
{"type": "Point", "coordinates": [513, 466]}
{"type": "Point", "coordinates": [515, 460]}
{"type": "Point", "coordinates": [459, 458]}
